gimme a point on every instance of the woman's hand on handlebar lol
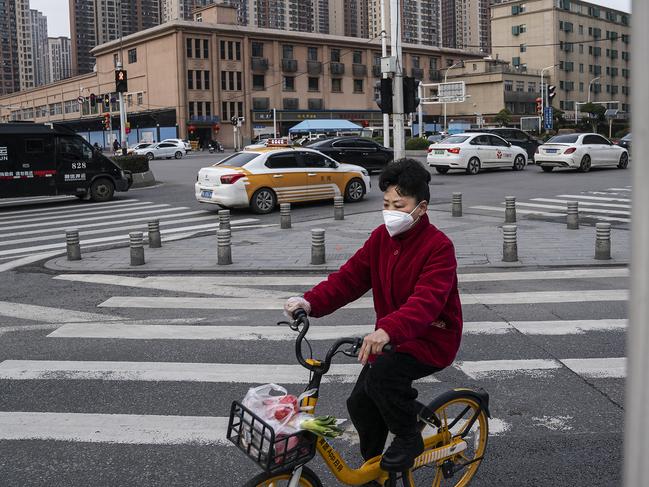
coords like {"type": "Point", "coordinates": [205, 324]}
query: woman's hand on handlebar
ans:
{"type": "Point", "coordinates": [295, 303]}
{"type": "Point", "coordinates": [373, 345]}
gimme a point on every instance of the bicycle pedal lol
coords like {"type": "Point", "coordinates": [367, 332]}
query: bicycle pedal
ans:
{"type": "Point", "coordinates": [448, 469]}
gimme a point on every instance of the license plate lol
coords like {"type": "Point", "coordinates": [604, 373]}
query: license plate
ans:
{"type": "Point", "coordinates": [551, 151]}
{"type": "Point", "coordinates": [206, 194]}
{"type": "Point", "coordinates": [439, 152]}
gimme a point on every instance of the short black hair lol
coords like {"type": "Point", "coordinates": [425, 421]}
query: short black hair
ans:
{"type": "Point", "coordinates": [409, 176]}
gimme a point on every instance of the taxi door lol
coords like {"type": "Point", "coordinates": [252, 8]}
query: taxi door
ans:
{"type": "Point", "coordinates": [324, 179]}
{"type": "Point", "coordinates": [504, 153]}
{"type": "Point", "coordinates": [286, 175]}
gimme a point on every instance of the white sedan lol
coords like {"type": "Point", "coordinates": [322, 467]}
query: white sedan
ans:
{"type": "Point", "coordinates": [581, 152]}
{"type": "Point", "coordinates": [160, 150]}
{"type": "Point", "coordinates": [181, 142]}
{"type": "Point", "coordinates": [473, 152]}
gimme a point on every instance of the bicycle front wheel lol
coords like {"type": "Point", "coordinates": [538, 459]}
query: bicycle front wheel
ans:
{"type": "Point", "coordinates": [461, 414]}
{"type": "Point", "coordinates": [307, 479]}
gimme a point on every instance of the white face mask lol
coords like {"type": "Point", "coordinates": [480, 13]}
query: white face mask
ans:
{"type": "Point", "coordinates": [397, 222]}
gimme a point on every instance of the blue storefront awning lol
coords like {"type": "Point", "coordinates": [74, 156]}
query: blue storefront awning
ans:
{"type": "Point", "coordinates": [324, 126]}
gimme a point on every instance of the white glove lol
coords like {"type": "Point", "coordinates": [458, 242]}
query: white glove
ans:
{"type": "Point", "coordinates": [295, 303]}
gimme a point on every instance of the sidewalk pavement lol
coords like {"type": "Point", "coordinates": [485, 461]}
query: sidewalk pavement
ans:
{"type": "Point", "coordinates": [477, 239]}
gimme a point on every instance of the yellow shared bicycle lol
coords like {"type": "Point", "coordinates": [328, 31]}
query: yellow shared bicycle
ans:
{"type": "Point", "coordinates": [454, 427]}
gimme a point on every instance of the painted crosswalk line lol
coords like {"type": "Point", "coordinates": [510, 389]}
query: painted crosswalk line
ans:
{"type": "Point", "coordinates": [134, 331]}
{"type": "Point", "coordinates": [175, 372]}
{"type": "Point", "coordinates": [49, 314]}
{"type": "Point", "coordinates": [78, 205]}
{"type": "Point", "coordinates": [205, 284]}
{"type": "Point", "coordinates": [606, 367]}
{"type": "Point", "coordinates": [587, 204]}
{"type": "Point", "coordinates": [257, 303]}
{"type": "Point", "coordinates": [593, 198]}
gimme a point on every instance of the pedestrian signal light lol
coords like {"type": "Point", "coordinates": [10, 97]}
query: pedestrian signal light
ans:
{"type": "Point", "coordinates": [539, 105]}
{"type": "Point", "coordinates": [121, 81]}
{"type": "Point", "coordinates": [107, 121]}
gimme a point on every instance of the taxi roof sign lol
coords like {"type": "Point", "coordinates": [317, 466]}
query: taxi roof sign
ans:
{"type": "Point", "coordinates": [278, 143]}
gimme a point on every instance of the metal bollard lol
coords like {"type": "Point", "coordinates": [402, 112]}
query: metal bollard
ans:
{"type": "Point", "coordinates": [285, 215]}
{"type": "Point", "coordinates": [603, 241]}
{"type": "Point", "coordinates": [339, 208]}
{"type": "Point", "coordinates": [72, 246]}
{"type": "Point", "coordinates": [224, 246]}
{"type": "Point", "coordinates": [155, 241]}
{"type": "Point", "coordinates": [510, 246]}
{"type": "Point", "coordinates": [573, 215]}
{"type": "Point", "coordinates": [456, 204]}
{"type": "Point", "coordinates": [224, 219]}
{"type": "Point", "coordinates": [510, 209]}
{"type": "Point", "coordinates": [317, 246]}
{"type": "Point", "coordinates": [136, 242]}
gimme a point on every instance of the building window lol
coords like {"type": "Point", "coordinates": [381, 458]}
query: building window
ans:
{"type": "Point", "coordinates": [230, 50]}
{"type": "Point", "coordinates": [197, 48]}
{"type": "Point", "coordinates": [287, 52]}
{"type": "Point", "coordinates": [434, 63]}
{"type": "Point", "coordinates": [357, 57]}
{"type": "Point", "coordinates": [258, 82]}
{"type": "Point", "coordinates": [206, 49]}
{"type": "Point", "coordinates": [239, 82]}
{"type": "Point", "coordinates": [288, 83]}
{"type": "Point", "coordinates": [223, 53]}
{"type": "Point", "coordinates": [115, 60]}
{"type": "Point", "coordinates": [336, 85]}
{"type": "Point", "coordinates": [140, 98]}
{"type": "Point", "coordinates": [206, 80]}
{"type": "Point", "coordinates": [520, 86]}
{"type": "Point", "coordinates": [335, 55]}
{"type": "Point", "coordinates": [257, 49]}
{"type": "Point", "coordinates": [509, 85]}
{"type": "Point", "coordinates": [199, 109]}
{"type": "Point", "coordinates": [189, 48]}
{"type": "Point", "coordinates": [191, 109]}
{"type": "Point", "coordinates": [523, 48]}
{"type": "Point", "coordinates": [231, 80]}
{"type": "Point", "coordinates": [581, 87]}
{"type": "Point", "coordinates": [224, 80]}
{"type": "Point", "coordinates": [208, 109]}
{"type": "Point", "coordinates": [190, 80]}
{"type": "Point", "coordinates": [358, 86]}
{"type": "Point", "coordinates": [312, 53]}
{"type": "Point", "coordinates": [199, 81]}
{"type": "Point", "coordinates": [581, 30]}
{"type": "Point", "coordinates": [237, 51]}
{"type": "Point", "coordinates": [531, 86]}
{"type": "Point", "coordinates": [314, 84]}
{"type": "Point", "coordinates": [132, 56]}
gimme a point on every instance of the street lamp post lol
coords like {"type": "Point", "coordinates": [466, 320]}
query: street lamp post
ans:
{"type": "Point", "coordinates": [589, 85]}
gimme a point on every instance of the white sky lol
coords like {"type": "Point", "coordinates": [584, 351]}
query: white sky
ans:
{"type": "Point", "coordinates": [58, 22]}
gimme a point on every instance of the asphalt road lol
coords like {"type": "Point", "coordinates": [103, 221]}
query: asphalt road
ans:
{"type": "Point", "coordinates": [551, 368]}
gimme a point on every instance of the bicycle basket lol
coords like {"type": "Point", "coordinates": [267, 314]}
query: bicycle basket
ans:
{"type": "Point", "coordinates": [258, 441]}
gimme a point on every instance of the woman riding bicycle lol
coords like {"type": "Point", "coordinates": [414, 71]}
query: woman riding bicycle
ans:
{"type": "Point", "coordinates": [410, 267]}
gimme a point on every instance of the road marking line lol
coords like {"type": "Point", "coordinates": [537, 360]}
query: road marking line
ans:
{"type": "Point", "coordinates": [156, 330]}
{"type": "Point", "coordinates": [596, 198]}
{"type": "Point", "coordinates": [53, 199]}
{"type": "Point", "coordinates": [598, 368]}
{"type": "Point", "coordinates": [587, 203]}
{"type": "Point", "coordinates": [123, 238]}
{"type": "Point", "coordinates": [581, 210]}
{"type": "Point", "coordinates": [113, 428]}
{"type": "Point", "coordinates": [57, 232]}
{"type": "Point", "coordinates": [165, 302]}
{"type": "Point", "coordinates": [27, 260]}
{"type": "Point", "coordinates": [175, 372]}
{"type": "Point", "coordinates": [76, 208]}
{"type": "Point", "coordinates": [204, 284]}
{"type": "Point", "coordinates": [49, 314]}
{"type": "Point", "coordinates": [620, 189]}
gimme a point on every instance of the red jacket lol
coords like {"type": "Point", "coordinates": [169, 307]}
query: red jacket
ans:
{"type": "Point", "coordinates": [414, 284]}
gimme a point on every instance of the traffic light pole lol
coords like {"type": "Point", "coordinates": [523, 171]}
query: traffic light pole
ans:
{"type": "Point", "coordinates": [122, 118]}
{"type": "Point", "coordinates": [384, 53]}
{"type": "Point", "coordinates": [397, 98]}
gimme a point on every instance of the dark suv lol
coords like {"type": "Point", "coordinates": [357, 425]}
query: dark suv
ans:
{"type": "Point", "coordinates": [515, 137]}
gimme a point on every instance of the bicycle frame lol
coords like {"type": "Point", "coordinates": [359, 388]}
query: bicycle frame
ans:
{"type": "Point", "coordinates": [371, 469]}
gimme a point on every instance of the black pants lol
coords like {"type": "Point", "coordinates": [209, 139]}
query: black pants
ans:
{"type": "Point", "coordinates": [383, 400]}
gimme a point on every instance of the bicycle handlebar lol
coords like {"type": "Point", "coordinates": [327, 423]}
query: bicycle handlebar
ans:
{"type": "Point", "coordinates": [300, 318]}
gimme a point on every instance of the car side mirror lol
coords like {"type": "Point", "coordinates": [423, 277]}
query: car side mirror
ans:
{"type": "Point", "coordinates": [509, 144]}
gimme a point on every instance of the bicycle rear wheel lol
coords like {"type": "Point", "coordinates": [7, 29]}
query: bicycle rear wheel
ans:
{"type": "Point", "coordinates": [461, 414]}
{"type": "Point", "coordinates": [307, 479]}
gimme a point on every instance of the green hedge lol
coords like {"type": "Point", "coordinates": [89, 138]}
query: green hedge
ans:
{"type": "Point", "coordinates": [417, 143]}
{"type": "Point", "coordinates": [134, 164]}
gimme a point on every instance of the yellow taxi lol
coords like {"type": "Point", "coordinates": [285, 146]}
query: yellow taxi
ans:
{"type": "Point", "coordinates": [263, 177]}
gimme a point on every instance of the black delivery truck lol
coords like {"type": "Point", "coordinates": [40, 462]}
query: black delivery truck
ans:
{"type": "Point", "coordinates": [49, 159]}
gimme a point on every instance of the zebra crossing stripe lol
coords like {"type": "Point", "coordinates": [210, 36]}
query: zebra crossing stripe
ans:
{"type": "Point", "coordinates": [602, 368]}
{"type": "Point", "coordinates": [595, 198]}
{"type": "Point", "coordinates": [581, 210]}
{"type": "Point", "coordinates": [175, 372]}
{"type": "Point", "coordinates": [153, 331]}
{"type": "Point", "coordinates": [518, 211]}
{"type": "Point", "coordinates": [68, 209]}
{"type": "Point", "coordinates": [586, 203]}
{"type": "Point", "coordinates": [113, 428]}
{"type": "Point", "coordinates": [362, 303]}
{"type": "Point", "coordinates": [48, 314]}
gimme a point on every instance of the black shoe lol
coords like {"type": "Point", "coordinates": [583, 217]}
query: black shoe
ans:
{"type": "Point", "coordinates": [401, 454]}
